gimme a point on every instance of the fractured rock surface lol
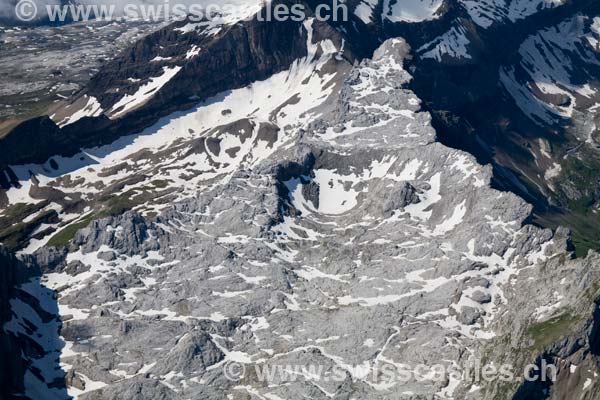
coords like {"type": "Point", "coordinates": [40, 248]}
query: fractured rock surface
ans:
{"type": "Point", "coordinates": [357, 242]}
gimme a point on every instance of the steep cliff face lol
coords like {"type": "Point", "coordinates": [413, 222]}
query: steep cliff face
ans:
{"type": "Point", "coordinates": [19, 348]}
{"type": "Point", "coordinates": [10, 381]}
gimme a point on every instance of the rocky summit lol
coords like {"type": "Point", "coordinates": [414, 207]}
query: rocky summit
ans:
{"type": "Point", "coordinates": [283, 210]}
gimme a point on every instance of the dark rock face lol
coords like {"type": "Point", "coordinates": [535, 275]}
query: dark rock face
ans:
{"type": "Point", "coordinates": [471, 110]}
{"type": "Point", "coordinates": [15, 348]}
{"type": "Point", "coordinates": [17, 145]}
{"type": "Point", "coordinates": [477, 104]}
{"type": "Point", "coordinates": [311, 191]}
{"type": "Point", "coordinates": [574, 357]}
{"type": "Point", "coordinates": [49, 258]}
{"type": "Point", "coordinates": [11, 367]}
{"type": "Point", "coordinates": [469, 315]}
{"type": "Point", "coordinates": [399, 198]}
{"type": "Point", "coordinates": [481, 297]}
{"type": "Point", "coordinates": [246, 52]}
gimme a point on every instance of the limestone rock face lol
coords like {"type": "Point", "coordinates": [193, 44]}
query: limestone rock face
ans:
{"type": "Point", "coordinates": [304, 215]}
{"type": "Point", "coordinates": [398, 198]}
{"type": "Point", "coordinates": [127, 234]}
{"type": "Point", "coordinates": [356, 243]}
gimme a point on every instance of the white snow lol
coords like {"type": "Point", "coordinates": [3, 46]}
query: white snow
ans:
{"type": "Point", "coordinates": [333, 197]}
{"type": "Point", "coordinates": [452, 222]}
{"type": "Point", "coordinates": [452, 44]}
{"type": "Point", "coordinates": [193, 52]}
{"type": "Point", "coordinates": [486, 12]}
{"type": "Point", "coordinates": [553, 172]}
{"type": "Point", "coordinates": [546, 68]}
{"type": "Point", "coordinates": [310, 273]}
{"type": "Point", "coordinates": [410, 170]}
{"type": "Point", "coordinates": [572, 368]}
{"type": "Point", "coordinates": [144, 93]}
{"type": "Point", "coordinates": [159, 59]}
{"type": "Point", "coordinates": [412, 10]}
{"type": "Point", "coordinates": [91, 109]}
{"type": "Point", "coordinates": [232, 12]}
{"type": "Point", "coordinates": [364, 10]}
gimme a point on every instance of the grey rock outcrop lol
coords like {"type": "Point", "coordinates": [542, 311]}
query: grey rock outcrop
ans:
{"type": "Point", "coordinates": [398, 198]}
{"type": "Point", "coordinates": [127, 234]}
{"type": "Point", "coordinates": [359, 245]}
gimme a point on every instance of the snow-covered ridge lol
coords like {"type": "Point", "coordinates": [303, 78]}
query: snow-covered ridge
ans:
{"type": "Point", "coordinates": [453, 44]}
{"type": "Point", "coordinates": [216, 23]}
{"type": "Point", "coordinates": [552, 81]}
{"type": "Point", "coordinates": [145, 92]}
{"type": "Point", "coordinates": [231, 13]}
{"type": "Point", "coordinates": [487, 12]}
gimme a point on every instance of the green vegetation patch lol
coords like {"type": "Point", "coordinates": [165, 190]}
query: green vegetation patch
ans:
{"type": "Point", "coordinates": [548, 332]}
{"type": "Point", "coordinates": [16, 235]}
{"type": "Point", "coordinates": [63, 237]}
{"type": "Point", "coordinates": [578, 187]}
{"type": "Point", "coordinates": [16, 213]}
{"type": "Point", "coordinates": [160, 183]}
{"type": "Point", "coordinates": [111, 206]}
